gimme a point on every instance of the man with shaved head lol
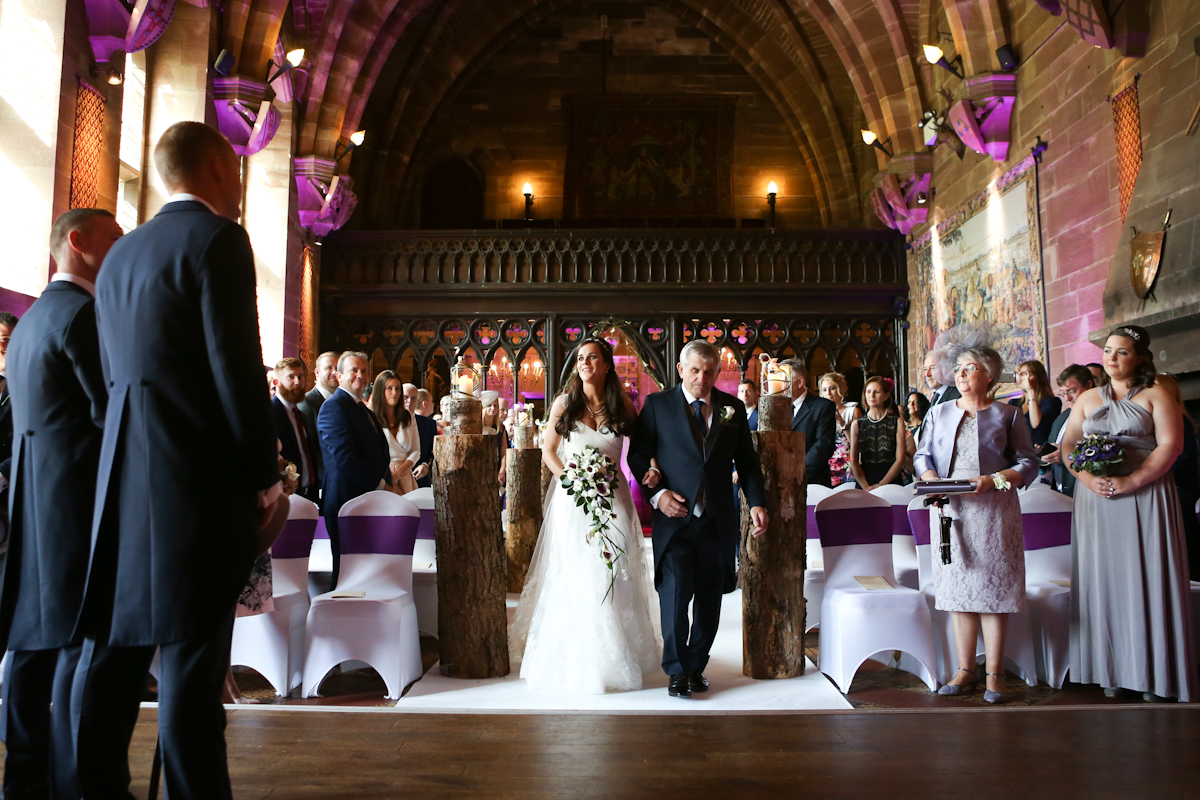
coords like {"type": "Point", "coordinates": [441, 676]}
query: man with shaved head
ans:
{"type": "Point", "coordinates": [58, 403]}
{"type": "Point", "coordinates": [188, 475]}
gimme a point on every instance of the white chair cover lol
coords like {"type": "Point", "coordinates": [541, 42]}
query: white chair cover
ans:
{"type": "Point", "coordinates": [856, 538]}
{"type": "Point", "coordinates": [904, 549]}
{"type": "Point", "coordinates": [814, 573]}
{"type": "Point", "coordinates": [425, 552]}
{"type": "Point", "coordinates": [1018, 648]}
{"type": "Point", "coordinates": [377, 532]}
{"type": "Point", "coordinates": [272, 643]}
{"type": "Point", "coordinates": [1046, 519]}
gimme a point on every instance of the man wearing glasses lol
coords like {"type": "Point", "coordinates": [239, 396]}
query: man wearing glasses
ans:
{"type": "Point", "coordinates": [1072, 382]}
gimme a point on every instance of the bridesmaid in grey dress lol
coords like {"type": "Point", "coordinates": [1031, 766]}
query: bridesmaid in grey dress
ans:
{"type": "Point", "coordinates": [988, 443]}
{"type": "Point", "coordinates": [1131, 622]}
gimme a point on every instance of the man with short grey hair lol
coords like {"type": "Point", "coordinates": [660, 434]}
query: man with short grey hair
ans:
{"type": "Point", "coordinates": [697, 433]}
{"type": "Point", "coordinates": [353, 447]}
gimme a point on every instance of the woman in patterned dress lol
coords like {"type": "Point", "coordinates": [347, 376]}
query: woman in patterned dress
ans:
{"type": "Point", "coordinates": [832, 386]}
{"type": "Point", "coordinates": [989, 444]}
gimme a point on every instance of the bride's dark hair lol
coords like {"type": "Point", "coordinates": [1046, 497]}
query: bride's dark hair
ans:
{"type": "Point", "coordinates": [575, 403]}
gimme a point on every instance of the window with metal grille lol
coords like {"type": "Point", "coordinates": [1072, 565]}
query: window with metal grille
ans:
{"type": "Point", "coordinates": [1127, 122]}
{"type": "Point", "coordinates": [89, 141]}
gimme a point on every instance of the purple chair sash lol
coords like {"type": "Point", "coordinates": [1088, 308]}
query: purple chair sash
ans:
{"type": "Point", "coordinates": [919, 524]}
{"type": "Point", "coordinates": [295, 540]}
{"type": "Point", "coordinates": [391, 536]}
{"type": "Point", "coordinates": [1046, 530]}
{"type": "Point", "coordinates": [900, 526]}
{"type": "Point", "coordinates": [847, 526]}
{"type": "Point", "coordinates": [811, 527]}
{"type": "Point", "coordinates": [425, 531]}
{"type": "Point", "coordinates": [322, 531]}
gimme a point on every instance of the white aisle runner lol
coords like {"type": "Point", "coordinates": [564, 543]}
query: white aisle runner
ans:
{"type": "Point", "coordinates": [730, 692]}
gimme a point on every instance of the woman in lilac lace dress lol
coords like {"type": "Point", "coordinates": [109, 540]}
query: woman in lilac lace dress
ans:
{"type": "Point", "coordinates": [988, 443]}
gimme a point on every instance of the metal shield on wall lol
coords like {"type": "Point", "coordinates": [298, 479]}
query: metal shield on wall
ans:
{"type": "Point", "coordinates": [1146, 249]}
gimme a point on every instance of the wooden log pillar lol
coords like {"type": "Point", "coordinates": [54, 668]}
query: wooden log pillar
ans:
{"type": "Point", "coordinates": [472, 620]}
{"type": "Point", "coordinates": [774, 412]}
{"type": "Point", "coordinates": [523, 508]}
{"type": "Point", "coordinates": [772, 566]}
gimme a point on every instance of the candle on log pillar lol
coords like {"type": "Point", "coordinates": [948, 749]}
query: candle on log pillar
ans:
{"type": "Point", "coordinates": [772, 566]}
{"type": "Point", "coordinates": [472, 619]}
{"type": "Point", "coordinates": [523, 508]}
{"type": "Point", "coordinates": [774, 412]}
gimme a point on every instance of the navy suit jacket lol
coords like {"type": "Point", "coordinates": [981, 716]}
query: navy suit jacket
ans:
{"type": "Point", "coordinates": [817, 421]}
{"type": "Point", "coordinates": [287, 438]}
{"type": "Point", "coordinates": [663, 431]}
{"type": "Point", "coordinates": [1064, 481]}
{"type": "Point", "coordinates": [188, 438]}
{"type": "Point", "coordinates": [58, 405]}
{"type": "Point", "coordinates": [355, 452]}
{"type": "Point", "coordinates": [752, 420]}
{"type": "Point", "coordinates": [426, 429]}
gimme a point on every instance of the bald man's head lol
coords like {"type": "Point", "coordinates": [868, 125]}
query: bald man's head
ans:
{"type": "Point", "coordinates": [193, 158]}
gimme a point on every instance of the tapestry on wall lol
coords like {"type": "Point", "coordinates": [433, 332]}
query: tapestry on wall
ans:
{"type": "Point", "coordinates": [983, 263]}
{"type": "Point", "coordinates": [648, 156]}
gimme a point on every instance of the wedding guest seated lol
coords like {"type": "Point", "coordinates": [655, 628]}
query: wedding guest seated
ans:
{"type": "Point", "coordinates": [1072, 383]}
{"type": "Point", "coordinates": [291, 426]}
{"type": "Point", "coordinates": [1186, 472]}
{"type": "Point", "coordinates": [352, 445]}
{"type": "Point", "coordinates": [987, 443]}
{"type": "Point", "coordinates": [1037, 401]}
{"type": "Point", "coordinates": [399, 428]}
{"type": "Point", "coordinates": [877, 440]}
{"type": "Point", "coordinates": [832, 386]}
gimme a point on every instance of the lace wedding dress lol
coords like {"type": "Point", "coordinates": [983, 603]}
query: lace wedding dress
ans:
{"type": "Point", "coordinates": [566, 636]}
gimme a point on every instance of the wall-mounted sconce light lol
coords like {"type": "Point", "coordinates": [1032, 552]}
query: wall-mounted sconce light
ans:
{"type": "Point", "coordinates": [289, 63]}
{"type": "Point", "coordinates": [356, 139]}
{"type": "Point", "coordinates": [870, 138]}
{"type": "Point", "coordinates": [1038, 148]}
{"type": "Point", "coordinates": [115, 71]}
{"type": "Point", "coordinates": [772, 190]}
{"type": "Point", "coordinates": [934, 55]}
{"type": "Point", "coordinates": [527, 190]}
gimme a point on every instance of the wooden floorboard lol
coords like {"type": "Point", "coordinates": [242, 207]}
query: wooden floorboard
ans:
{"type": "Point", "coordinates": [1124, 752]}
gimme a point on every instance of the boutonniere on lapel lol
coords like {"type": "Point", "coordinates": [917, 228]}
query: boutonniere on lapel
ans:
{"type": "Point", "coordinates": [727, 413]}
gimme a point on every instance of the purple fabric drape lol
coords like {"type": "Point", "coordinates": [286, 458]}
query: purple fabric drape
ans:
{"type": "Point", "coordinates": [295, 540]}
{"type": "Point", "coordinates": [811, 526]}
{"type": "Point", "coordinates": [900, 526]}
{"type": "Point", "coordinates": [322, 531]}
{"type": "Point", "coordinates": [918, 521]}
{"type": "Point", "coordinates": [425, 531]}
{"type": "Point", "coordinates": [392, 536]}
{"type": "Point", "coordinates": [847, 526]}
{"type": "Point", "coordinates": [1046, 530]}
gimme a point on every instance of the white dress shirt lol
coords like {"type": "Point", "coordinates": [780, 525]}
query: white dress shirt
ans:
{"type": "Point", "coordinates": [798, 402]}
{"type": "Point", "coordinates": [707, 410]}
{"type": "Point", "coordinates": [184, 197]}
{"type": "Point", "coordinates": [324, 392]}
{"type": "Point", "coordinates": [75, 279]}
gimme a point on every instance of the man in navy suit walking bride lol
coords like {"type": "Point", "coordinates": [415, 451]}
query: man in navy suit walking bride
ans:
{"type": "Point", "coordinates": [696, 432]}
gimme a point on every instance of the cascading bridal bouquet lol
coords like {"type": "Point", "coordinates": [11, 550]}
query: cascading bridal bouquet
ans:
{"type": "Point", "coordinates": [1096, 453]}
{"type": "Point", "coordinates": [591, 478]}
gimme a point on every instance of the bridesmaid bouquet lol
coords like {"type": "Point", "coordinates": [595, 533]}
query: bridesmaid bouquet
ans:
{"type": "Point", "coordinates": [1096, 453]}
{"type": "Point", "coordinates": [591, 477]}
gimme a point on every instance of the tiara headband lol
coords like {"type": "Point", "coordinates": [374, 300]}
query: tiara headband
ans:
{"type": "Point", "coordinates": [1131, 333]}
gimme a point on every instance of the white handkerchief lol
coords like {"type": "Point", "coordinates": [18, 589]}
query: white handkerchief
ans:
{"type": "Point", "coordinates": [873, 582]}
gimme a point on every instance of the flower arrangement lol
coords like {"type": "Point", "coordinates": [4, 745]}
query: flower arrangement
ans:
{"type": "Point", "coordinates": [839, 463]}
{"type": "Point", "coordinates": [524, 414]}
{"type": "Point", "coordinates": [591, 478]}
{"type": "Point", "coordinates": [1096, 453]}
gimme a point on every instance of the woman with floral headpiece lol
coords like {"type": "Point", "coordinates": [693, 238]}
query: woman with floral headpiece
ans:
{"type": "Point", "coordinates": [1131, 612]}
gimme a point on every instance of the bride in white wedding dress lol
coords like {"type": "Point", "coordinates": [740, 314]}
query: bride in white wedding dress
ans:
{"type": "Point", "coordinates": [567, 636]}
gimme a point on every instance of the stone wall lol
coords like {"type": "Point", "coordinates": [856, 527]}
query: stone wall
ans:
{"type": "Point", "coordinates": [1063, 86]}
{"type": "Point", "coordinates": [509, 122]}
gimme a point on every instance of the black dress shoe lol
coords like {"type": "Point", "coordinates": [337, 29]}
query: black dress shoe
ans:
{"type": "Point", "coordinates": [697, 682]}
{"type": "Point", "coordinates": [678, 687]}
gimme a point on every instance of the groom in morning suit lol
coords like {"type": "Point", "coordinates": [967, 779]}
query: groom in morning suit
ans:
{"type": "Point", "coordinates": [58, 403]}
{"type": "Point", "coordinates": [696, 432]}
{"type": "Point", "coordinates": [188, 475]}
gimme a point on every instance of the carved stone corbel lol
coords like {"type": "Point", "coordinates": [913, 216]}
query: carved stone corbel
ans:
{"type": "Point", "coordinates": [983, 118]}
{"type": "Point", "coordinates": [247, 120]}
{"type": "Point", "coordinates": [325, 200]}
{"type": "Point", "coordinates": [902, 193]}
